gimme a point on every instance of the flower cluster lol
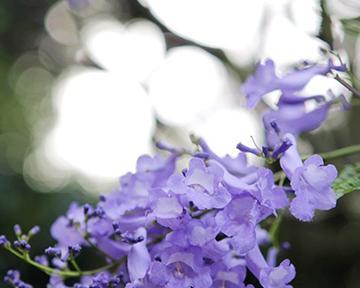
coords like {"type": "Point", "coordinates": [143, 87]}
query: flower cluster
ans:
{"type": "Point", "coordinates": [200, 225]}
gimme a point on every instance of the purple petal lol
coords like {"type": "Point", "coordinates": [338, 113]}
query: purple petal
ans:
{"type": "Point", "coordinates": [291, 158]}
{"type": "Point", "coordinates": [167, 207]}
{"type": "Point", "coordinates": [302, 209]}
{"type": "Point", "coordinates": [138, 260]}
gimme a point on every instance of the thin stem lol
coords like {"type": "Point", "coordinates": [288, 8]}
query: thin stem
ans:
{"type": "Point", "coordinates": [346, 151]}
{"type": "Point", "coordinates": [64, 273]}
{"type": "Point", "coordinates": [347, 85]}
{"type": "Point", "coordinates": [274, 230]}
{"type": "Point", "coordinates": [76, 266]}
{"type": "Point", "coordinates": [278, 176]}
{"type": "Point", "coordinates": [282, 179]}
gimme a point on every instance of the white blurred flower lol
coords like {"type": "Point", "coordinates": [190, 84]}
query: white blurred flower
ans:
{"type": "Point", "coordinates": [131, 50]}
{"type": "Point", "coordinates": [103, 124]}
{"type": "Point", "coordinates": [188, 85]}
{"type": "Point", "coordinates": [246, 30]}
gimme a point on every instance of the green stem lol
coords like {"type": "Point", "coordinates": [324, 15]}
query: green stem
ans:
{"type": "Point", "coordinates": [346, 151]}
{"type": "Point", "coordinates": [347, 85]}
{"type": "Point", "coordinates": [274, 230]}
{"type": "Point", "coordinates": [75, 265]}
{"type": "Point", "coordinates": [64, 273]}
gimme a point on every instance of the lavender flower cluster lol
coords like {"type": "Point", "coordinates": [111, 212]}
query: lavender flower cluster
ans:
{"type": "Point", "coordinates": [201, 227]}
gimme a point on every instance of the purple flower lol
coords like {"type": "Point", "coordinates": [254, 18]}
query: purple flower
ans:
{"type": "Point", "coordinates": [311, 182]}
{"type": "Point", "coordinates": [42, 259]}
{"type": "Point", "coordinates": [238, 221]}
{"type": "Point", "coordinates": [228, 276]}
{"type": "Point", "coordinates": [267, 193]}
{"type": "Point", "coordinates": [201, 185]}
{"type": "Point", "coordinates": [138, 260]}
{"type": "Point", "coordinates": [269, 276]}
{"type": "Point", "coordinates": [265, 80]}
{"type": "Point", "coordinates": [67, 230]}
{"type": "Point", "coordinates": [278, 277]}
{"type": "Point", "coordinates": [262, 82]}
{"type": "Point", "coordinates": [167, 208]}
{"type": "Point", "coordinates": [183, 268]}
{"type": "Point", "coordinates": [53, 251]}
{"type": "Point", "coordinates": [195, 233]}
{"type": "Point", "coordinates": [13, 278]}
{"type": "Point", "coordinates": [237, 166]}
{"type": "Point", "coordinates": [133, 193]}
{"type": "Point", "coordinates": [292, 119]}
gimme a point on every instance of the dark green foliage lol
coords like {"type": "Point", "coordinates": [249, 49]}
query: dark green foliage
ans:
{"type": "Point", "coordinates": [348, 180]}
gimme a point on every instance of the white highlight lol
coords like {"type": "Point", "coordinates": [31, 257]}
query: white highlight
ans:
{"type": "Point", "coordinates": [189, 84]}
{"type": "Point", "coordinates": [229, 126]}
{"type": "Point", "coordinates": [286, 44]}
{"type": "Point", "coordinates": [225, 24]}
{"type": "Point", "coordinates": [133, 50]}
{"type": "Point", "coordinates": [104, 123]}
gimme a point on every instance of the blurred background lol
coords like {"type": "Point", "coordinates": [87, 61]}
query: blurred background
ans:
{"type": "Point", "coordinates": [86, 86]}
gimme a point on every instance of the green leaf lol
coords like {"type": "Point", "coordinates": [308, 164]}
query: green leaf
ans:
{"type": "Point", "coordinates": [348, 180]}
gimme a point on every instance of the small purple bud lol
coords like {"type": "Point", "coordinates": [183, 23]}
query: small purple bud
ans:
{"type": "Point", "coordinates": [128, 238]}
{"type": "Point", "coordinates": [58, 263]}
{"type": "Point", "coordinates": [74, 250]}
{"type": "Point", "coordinates": [285, 145]}
{"type": "Point", "coordinates": [285, 245]}
{"type": "Point", "coordinates": [17, 244]}
{"type": "Point", "coordinates": [246, 149]}
{"type": "Point", "coordinates": [25, 245]}
{"type": "Point", "coordinates": [87, 208]}
{"type": "Point", "coordinates": [265, 151]}
{"type": "Point", "coordinates": [102, 198]}
{"type": "Point", "coordinates": [34, 230]}
{"type": "Point", "coordinates": [53, 251]}
{"type": "Point", "coordinates": [12, 276]}
{"type": "Point", "coordinates": [99, 212]}
{"type": "Point", "coordinates": [17, 230]}
{"type": "Point", "coordinates": [42, 260]}
{"type": "Point", "coordinates": [22, 245]}
{"type": "Point", "coordinates": [3, 240]}
{"type": "Point", "coordinates": [202, 155]}
{"type": "Point", "coordinates": [115, 225]}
